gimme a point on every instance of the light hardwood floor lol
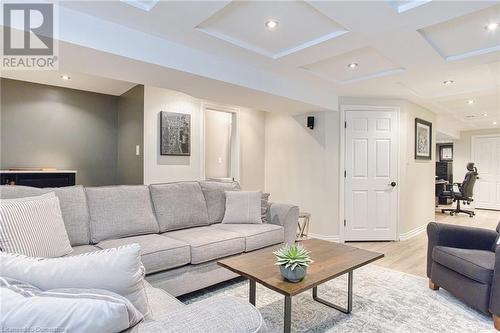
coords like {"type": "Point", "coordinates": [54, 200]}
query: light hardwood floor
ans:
{"type": "Point", "coordinates": [410, 256]}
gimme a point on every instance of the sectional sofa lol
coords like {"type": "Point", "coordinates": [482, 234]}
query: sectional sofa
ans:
{"type": "Point", "coordinates": [177, 226]}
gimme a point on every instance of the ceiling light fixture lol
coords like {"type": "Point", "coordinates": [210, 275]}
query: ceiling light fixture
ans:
{"type": "Point", "coordinates": [494, 123]}
{"type": "Point", "coordinates": [352, 65]}
{"type": "Point", "coordinates": [272, 24]}
{"type": "Point", "coordinates": [470, 101]}
{"type": "Point", "coordinates": [485, 115]}
{"type": "Point", "coordinates": [492, 26]}
{"type": "Point", "coordinates": [448, 82]}
{"type": "Point", "coordinates": [65, 77]}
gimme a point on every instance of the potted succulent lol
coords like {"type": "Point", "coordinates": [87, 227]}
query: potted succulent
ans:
{"type": "Point", "coordinates": [293, 261]}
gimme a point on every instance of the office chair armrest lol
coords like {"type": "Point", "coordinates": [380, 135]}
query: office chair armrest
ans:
{"type": "Point", "coordinates": [456, 236]}
{"type": "Point", "coordinates": [495, 286]}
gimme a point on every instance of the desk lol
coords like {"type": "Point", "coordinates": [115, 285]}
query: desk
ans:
{"type": "Point", "coordinates": [440, 187]}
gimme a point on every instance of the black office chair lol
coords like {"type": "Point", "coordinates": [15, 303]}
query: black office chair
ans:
{"type": "Point", "coordinates": [465, 192]}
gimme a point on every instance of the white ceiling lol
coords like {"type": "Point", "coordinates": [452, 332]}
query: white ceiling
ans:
{"type": "Point", "coordinates": [405, 49]}
{"type": "Point", "coordinates": [78, 80]}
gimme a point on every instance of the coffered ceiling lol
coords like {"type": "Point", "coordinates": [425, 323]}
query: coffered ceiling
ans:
{"type": "Point", "coordinates": [402, 49]}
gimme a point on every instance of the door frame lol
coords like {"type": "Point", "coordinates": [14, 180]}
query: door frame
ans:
{"type": "Point", "coordinates": [342, 179]}
{"type": "Point", "coordinates": [472, 144]}
{"type": "Point", "coordinates": [235, 134]}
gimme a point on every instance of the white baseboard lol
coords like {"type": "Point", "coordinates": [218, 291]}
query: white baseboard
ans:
{"type": "Point", "coordinates": [334, 238]}
{"type": "Point", "coordinates": [412, 233]}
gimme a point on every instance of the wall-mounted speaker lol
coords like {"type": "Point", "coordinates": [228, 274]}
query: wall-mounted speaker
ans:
{"type": "Point", "coordinates": [310, 122]}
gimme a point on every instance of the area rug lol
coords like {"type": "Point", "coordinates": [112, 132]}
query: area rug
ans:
{"type": "Point", "coordinates": [384, 300]}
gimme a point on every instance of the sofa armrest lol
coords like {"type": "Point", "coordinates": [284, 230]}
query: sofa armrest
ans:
{"type": "Point", "coordinates": [286, 216]}
{"type": "Point", "coordinates": [495, 286]}
{"type": "Point", "coordinates": [211, 315]}
{"type": "Point", "coordinates": [440, 234]}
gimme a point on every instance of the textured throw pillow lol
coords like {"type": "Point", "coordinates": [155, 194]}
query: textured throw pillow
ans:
{"type": "Point", "coordinates": [25, 307]}
{"type": "Point", "coordinates": [243, 207]}
{"type": "Point", "coordinates": [118, 270]}
{"type": "Point", "coordinates": [264, 205]}
{"type": "Point", "coordinates": [214, 192]}
{"type": "Point", "coordinates": [33, 226]}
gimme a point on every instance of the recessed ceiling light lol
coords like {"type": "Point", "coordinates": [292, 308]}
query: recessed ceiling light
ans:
{"type": "Point", "coordinates": [492, 26]}
{"type": "Point", "coordinates": [448, 82]}
{"type": "Point", "coordinates": [65, 77]}
{"type": "Point", "coordinates": [485, 115]}
{"type": "Point", "coordinates": [470, 101]}
{"type": "Point", "coordinates": [272, 24]}
{"type": "Point", "coordinates": [494, 123]}
{"type": "Point", "coordinates": [352, 65]}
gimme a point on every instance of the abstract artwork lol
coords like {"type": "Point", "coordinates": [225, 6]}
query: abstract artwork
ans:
{"type": "Point", "coordinates": [423, 139]}
{"type": "Point", "coordinates": [175, 136]}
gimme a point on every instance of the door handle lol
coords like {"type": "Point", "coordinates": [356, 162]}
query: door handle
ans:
{"type": "Point", "coordinates": [393, 184]}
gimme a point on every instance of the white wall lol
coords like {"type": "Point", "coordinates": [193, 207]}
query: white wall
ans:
{"type": "Point", "coordinates": [462, 151]}
{"type": "Point", "coordinates": [160, 169]}
{"type": "Point", "coordinates": [252, 149]}
{"type": "Point", "coordinates": [302, 167]}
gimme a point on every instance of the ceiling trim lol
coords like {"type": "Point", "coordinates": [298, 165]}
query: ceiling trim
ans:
{"type": "Point", "coordinates": [356, 79]}
{"type": "Point", "coordinates": [459, 56]}
{"type": "Point", "coordinates": [272, 55]}
{"type": "Point", "coordinates": [143, 5]}
{"type": "Point", "coordinates": [473, 53]}
{"type": "Point", "coordinates": [410, 5]}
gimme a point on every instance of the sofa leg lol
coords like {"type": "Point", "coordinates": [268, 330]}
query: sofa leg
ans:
{"type": "Point", "coordinates": [496, 322]}
{"type": "Point", "coordinates": [432, 285]}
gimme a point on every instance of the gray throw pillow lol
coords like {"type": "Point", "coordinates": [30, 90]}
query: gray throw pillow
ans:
{"type": "Point", "coordinates": [243, 207]}
{"type": "Point", "coordinates": [264, 205]}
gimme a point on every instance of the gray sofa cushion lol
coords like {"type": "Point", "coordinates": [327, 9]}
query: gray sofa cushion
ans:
{"type": "Point", "coordinates": [256, 236]}
{"type": "Point", "coordinates": [81, 249]}
{"type": "Point", "coordinates": [216, 198]}
{"type": "Point", "coordinates": [209, 243]}
{"type": "Point", "coordinates": [160, 302]}
{"type": "Point", "coordinates": [157, 253]}
{"type": "Point", "coordinates": [120, 211]}
{"type": "Point", "coordinates": [179, 205]}
{"type": "Point", "coordinates": [220, 314]}
{"type": "Point", "coordinates": [477, 265]}
{"type": "Point", "coordinates": [73, 207]}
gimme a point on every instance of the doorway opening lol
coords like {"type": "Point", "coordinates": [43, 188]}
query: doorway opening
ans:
{"type": "Point", "coordinates": [222, 151]}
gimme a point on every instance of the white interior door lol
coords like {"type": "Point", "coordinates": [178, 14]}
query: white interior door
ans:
{"type": "Point", "coordinates": [371, 165]}
{"type": "Point", "coordinates": [486, 156]}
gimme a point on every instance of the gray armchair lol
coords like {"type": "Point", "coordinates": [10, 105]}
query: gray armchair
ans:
{"type": "Point", "coordinates": [466, 262]}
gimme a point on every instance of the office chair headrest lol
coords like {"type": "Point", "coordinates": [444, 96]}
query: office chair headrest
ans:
{"type": "Point", "coordinates": [470, 166]}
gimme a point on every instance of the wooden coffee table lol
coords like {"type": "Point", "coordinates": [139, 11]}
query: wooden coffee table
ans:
{"type": "Point", "coordinates": [331, 260]}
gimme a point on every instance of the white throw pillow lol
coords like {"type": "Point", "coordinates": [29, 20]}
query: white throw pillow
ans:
{"type": "Point", "coordinates": [25, 307]}
{"type": "Point", "coordinates": [243, 207]}
{"type": "Point", "coordinates": [33, 226]}
{"type": "Point", "coordinates": [118, 270]}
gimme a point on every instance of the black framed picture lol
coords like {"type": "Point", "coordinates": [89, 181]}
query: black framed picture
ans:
{"type": "Point", "coordinates": [175, 133]}
{"type": "Point", "coordinates": [446, 153]}
{"type": "Point", "coordinates": [423, 139]}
